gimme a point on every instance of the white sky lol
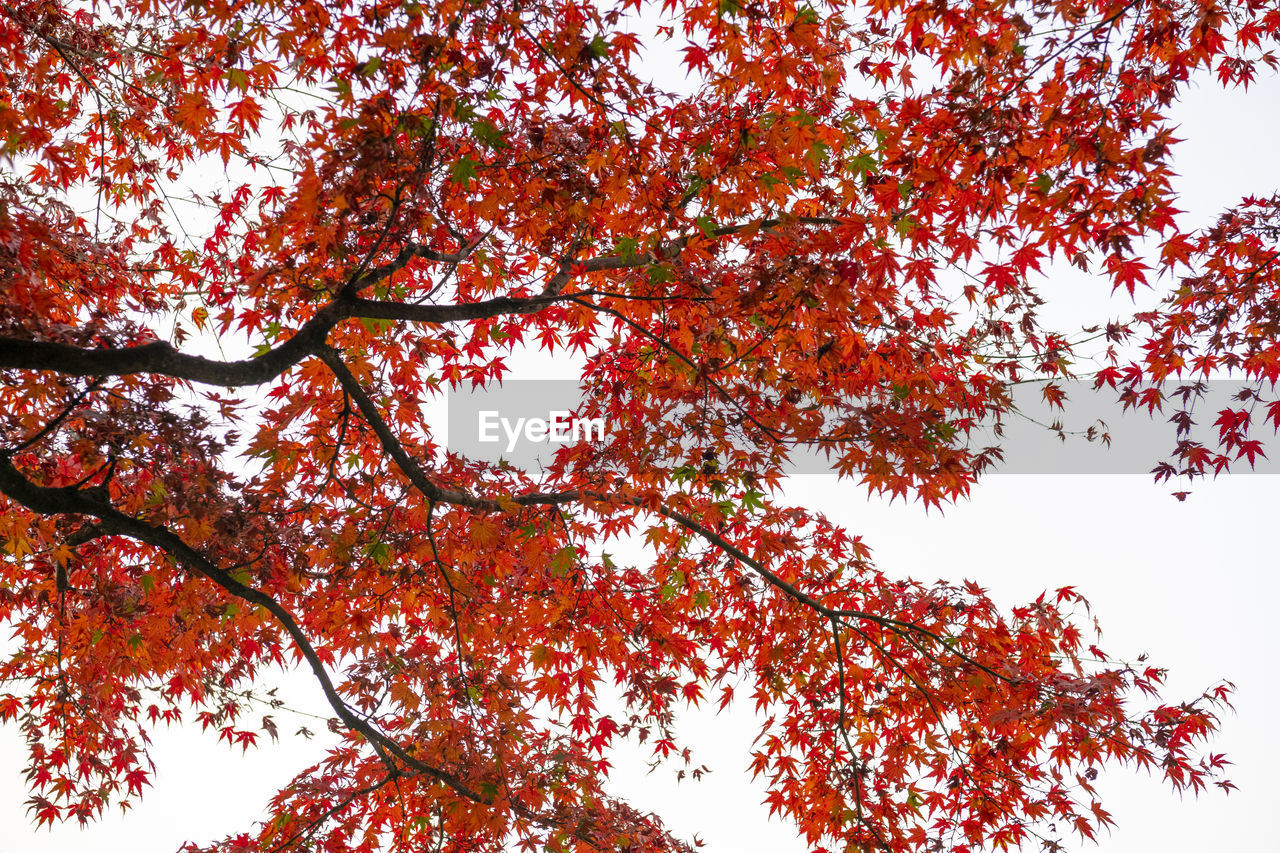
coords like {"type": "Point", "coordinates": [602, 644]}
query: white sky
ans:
{"type": "Point", "coordinates": [1191, 583]}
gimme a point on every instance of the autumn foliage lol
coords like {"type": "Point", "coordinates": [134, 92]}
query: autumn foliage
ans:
{"type": "Point", "coordinates": [243, 245]}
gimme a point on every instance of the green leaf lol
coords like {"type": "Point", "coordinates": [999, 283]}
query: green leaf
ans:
{"type": "Point", "coordinates": [379, 552]}
{"type": "Point", "coordinates": [463, 170]}
{"type": "Point", "coordinates": [598, 48]}
{"type": "Point", "coordinates": [157, 494]}
{"type": "Point", "coordinates": [563, 561]}
{"type": "Point", "coordinates": [237, 79]}
{"type": "Point", "coordinates": [487, 133]}
{"type": "Point", "coordinates": [940, 433]}
{"type": "Point", "coordinates": [706, 225]}
{"type": "Point", "coordinates": [626, 247]}
{"type": "Point", "coordinates": [806, 14]}
{"type": "Point", "coordinates": [659, 274]}
{"type": "Point", "coordinates": [672, 587]}
{"type": "Point", "coordinates": [463, 111]}
{"type": "Point", "coordinates": [804, 118]}
{"type": "Point", "coordinates": [419, 125]}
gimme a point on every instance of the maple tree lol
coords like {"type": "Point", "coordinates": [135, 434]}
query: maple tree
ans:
{"type": "Point", "coordinates": [245, 243]}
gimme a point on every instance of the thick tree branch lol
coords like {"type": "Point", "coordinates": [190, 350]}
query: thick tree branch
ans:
{"type": "Point", "coordinates": [163, 359]}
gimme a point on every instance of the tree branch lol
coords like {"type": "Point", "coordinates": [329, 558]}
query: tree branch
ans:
{"type": "Point", "coordinates": [160, 357]}
{"type": "Point", "coordinates": [111, 521]}
{"type": "Point", "coordinates": [410, 466]}
{"type": "Point", "coordinates": [897, 626]}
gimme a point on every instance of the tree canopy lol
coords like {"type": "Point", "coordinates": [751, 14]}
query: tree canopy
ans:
{"type": "Point", "coordinates": [244, 245]}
